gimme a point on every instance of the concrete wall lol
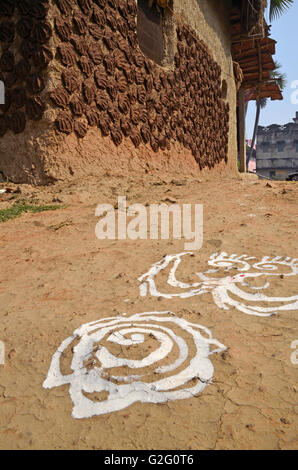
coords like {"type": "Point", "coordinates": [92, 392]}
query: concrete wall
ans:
{"type": "Point", "coordinates": [82, 98]}
{"type": "Point", "coordinates": [277, 151]}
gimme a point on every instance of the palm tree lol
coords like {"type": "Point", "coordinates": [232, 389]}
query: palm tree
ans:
{"type": "Point", "coordinates": [280, 79]}
{"type": "Point", "coordinates": [260, 104]}
{"type": "Point", "coordinates": [277, 7]}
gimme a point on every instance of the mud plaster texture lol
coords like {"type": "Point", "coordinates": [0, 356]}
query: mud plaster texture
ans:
{"type": "Point", "coordinates": [55, 275]}
{"type": "Point", "coordinates": [88, 101]}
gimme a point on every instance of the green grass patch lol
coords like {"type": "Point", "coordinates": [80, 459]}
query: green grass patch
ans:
{"type": "Point", "coordinates": [18, 208]}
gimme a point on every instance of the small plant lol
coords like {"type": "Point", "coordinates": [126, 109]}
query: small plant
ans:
{"type": "Point", "coordinates": [18, 208]}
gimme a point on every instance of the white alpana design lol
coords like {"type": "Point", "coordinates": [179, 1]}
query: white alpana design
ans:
{"type": "Point", "coordinates": [226, 288]}
{"type": "Point", "coordinates": [153, 380]}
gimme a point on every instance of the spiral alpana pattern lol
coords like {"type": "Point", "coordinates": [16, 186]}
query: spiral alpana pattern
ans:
{"type": "Point", "coordinates": [150, 357]}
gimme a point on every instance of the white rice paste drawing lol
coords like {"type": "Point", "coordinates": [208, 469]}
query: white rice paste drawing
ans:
{"type": "Point", "coordinates": [123, 390]}
{"type": "Point", "coordinates": [222, 288]}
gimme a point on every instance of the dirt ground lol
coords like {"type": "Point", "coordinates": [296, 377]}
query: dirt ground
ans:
{"type": "Point", "coordinates": [55, 275]}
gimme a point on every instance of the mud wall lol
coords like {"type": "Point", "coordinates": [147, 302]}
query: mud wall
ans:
{"type": "Point", "coordinates": [81, 96]}
{"type": "Point", "coordinates": [210, 20]}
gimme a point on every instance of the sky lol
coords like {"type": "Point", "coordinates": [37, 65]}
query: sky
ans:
{"type": "Point", "coordinates": [285, 31]}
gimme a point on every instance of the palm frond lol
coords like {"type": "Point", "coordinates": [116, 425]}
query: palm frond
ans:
{"type": "Point", "coordinates": [277, 8]}
{"type": "Point", "coordinates": [277, 65]}
{"type": "Point", "coordinates": [278, 77]}
{"type": "Point", "coordinates": [263, 102]}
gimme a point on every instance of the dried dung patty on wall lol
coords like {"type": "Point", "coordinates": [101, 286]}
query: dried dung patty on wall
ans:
{"type": "Point", "coordinates": [64, 122]}
{"type": "Point", "coordinates": [104, 123]}
{"type": "Point", "coordinates": [35, 83]}
{"type": "Point", "coordinates": [77, 105]}
{"type": "Point", "coordinates": [35, 108]}
{"type": "Point", "coordinates": [116, 135]}
{"type": "Point", "coordinates": [70, 80]}
{"type": "Point", "coordinates": [80, 129]}
{"type": "Point", "coordinates": [63, 28]}
{"type": "Point", "coordinates": [80, 45]}
{"type": "Point", "coordinates": [60, 97]}
{"type": "Point", "coordinates": [92, 115]}
{"type": "Point", "coordinates": [17, 122]}
{"type": "Point", "coordinates": [86, 66]}
{"type": "Point", "coordinates": [125, 126]}
{"type": "Point", "coordinates": [89, 91]}
{"type": "Point", "coordinates": [135, 137]}
{"type": "Point", "coordinates": [65, 6]}
{"type": "Point", "coordinates": [101, 77]}
{"type": "Point", "coordinates": [42, 56]}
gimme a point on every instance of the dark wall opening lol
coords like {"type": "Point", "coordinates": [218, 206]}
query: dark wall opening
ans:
{"type": "Point", "coordinates": [224, 89]}
{"type": "Point", "coordinates": [156, 31]}
{"type": "Point", "coordinates": [150, 30]}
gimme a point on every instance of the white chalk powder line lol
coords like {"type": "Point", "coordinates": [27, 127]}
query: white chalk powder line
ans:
{"type": "Point", "coordinates": [129, 331]}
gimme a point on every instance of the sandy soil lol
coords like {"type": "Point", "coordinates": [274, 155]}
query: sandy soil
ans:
{"type": "Point", "coordinates": [56, 275]}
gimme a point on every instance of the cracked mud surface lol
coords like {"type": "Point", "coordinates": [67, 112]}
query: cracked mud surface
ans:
{"type": "Point", "coordinates": [56, 275]}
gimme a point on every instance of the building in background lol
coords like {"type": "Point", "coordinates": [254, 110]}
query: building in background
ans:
{"type": "Point", "coordinates": [277, 150]}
